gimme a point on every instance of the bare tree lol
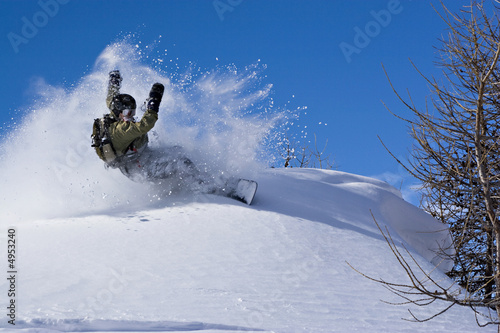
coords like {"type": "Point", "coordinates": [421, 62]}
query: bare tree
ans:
{"type": "Point", "coordinates": [456, 155]}
{"type": "Point", "coordinates": [300, 155]}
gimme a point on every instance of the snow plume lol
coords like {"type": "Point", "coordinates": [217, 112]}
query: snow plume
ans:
{"type": "Point", "coordinates": [220, 117]}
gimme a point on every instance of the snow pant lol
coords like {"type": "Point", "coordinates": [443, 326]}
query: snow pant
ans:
{"type": "Point", "coordinates": [171, 168]}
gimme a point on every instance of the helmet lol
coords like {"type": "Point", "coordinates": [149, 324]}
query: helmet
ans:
{"type": "Point", "coordinates": [123, 102]}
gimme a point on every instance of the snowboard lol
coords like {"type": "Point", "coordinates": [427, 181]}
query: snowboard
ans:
{"type": "Point", "coordinates": [244, 191]}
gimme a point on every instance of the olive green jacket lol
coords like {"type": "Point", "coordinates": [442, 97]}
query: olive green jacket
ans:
{"type": "Point", "coordinates": [123, 133]}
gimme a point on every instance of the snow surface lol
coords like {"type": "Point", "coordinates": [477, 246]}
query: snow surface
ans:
{"type": "Point", "coordinates": [98, 253]}
{"type": "Point", "coordinates": [213, 264]}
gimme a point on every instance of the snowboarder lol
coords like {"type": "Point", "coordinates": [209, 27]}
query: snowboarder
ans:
{"type": "Point", "coordinates": [130, 140]}
{"type": "Point", "coordinates": [122, 142]}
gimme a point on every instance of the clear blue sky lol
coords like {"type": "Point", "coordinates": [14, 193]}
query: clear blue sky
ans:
{"type": "Point", "coordinates": [313, 50]}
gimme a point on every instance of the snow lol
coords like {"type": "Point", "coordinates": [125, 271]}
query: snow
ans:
{"type": "Point", "coordinates": [96, 252]}
{"type": "Point", "coordinates": [213, 264]}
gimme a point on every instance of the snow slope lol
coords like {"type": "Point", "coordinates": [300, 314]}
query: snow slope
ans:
{"type": "Point", "coordinates": [207, 263]}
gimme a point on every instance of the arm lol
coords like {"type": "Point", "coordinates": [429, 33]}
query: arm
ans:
{"type": "Point", "coordinates": [150, 117]}
{"type": "Point", "coordinates": [130, 130]}
{"type": "Point", "coordinates": [125, 132]}
{"type": "Point", "coordinates": [114, 84]}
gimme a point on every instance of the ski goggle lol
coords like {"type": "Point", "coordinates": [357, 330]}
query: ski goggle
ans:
{"type": "Point", "coordinates": [128, 113]}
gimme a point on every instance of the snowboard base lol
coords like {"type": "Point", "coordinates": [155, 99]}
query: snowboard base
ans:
{"type": "Point", "coordinates": [244, 191]}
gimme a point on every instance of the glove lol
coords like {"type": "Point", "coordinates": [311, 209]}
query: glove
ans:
{"type": "Point", "coordinates": [115, 78]}
{"type": "Point", "coordinates": [155, 96]}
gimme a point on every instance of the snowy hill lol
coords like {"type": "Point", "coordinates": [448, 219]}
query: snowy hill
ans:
{"type": "Point", "coordinates": [96, 252]}
{"type": "Point", "coordinates": [213, 264]}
